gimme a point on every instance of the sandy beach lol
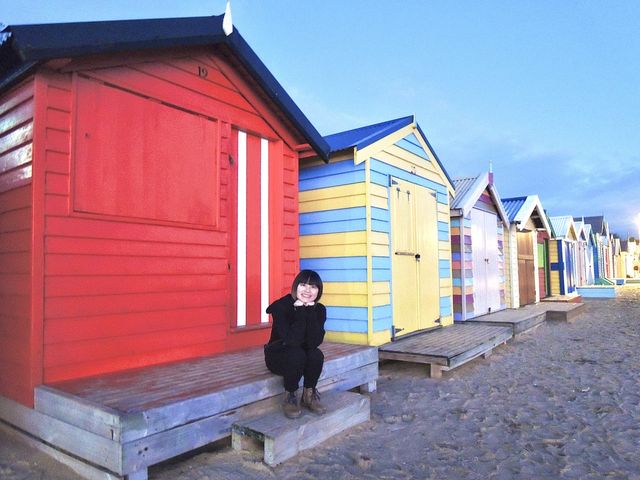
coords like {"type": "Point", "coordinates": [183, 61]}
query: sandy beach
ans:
{"type": "Point", "coordinates": [559, 402]}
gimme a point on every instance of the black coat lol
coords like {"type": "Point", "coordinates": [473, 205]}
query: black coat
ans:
{"type": "Point", "coordinates": [297, 326]}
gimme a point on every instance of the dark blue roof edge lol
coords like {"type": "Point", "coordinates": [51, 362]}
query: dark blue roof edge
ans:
{"type": "Point", "coordinates": [393, 126]}
{"type": "Point", "coordinates": [235, 41]}
{"type": "Point", "coordinates": [277, 93]}
{"type": "Point", "coordinates": [386, 128]}
{"type": "Point", "coordinates": [435, 155]}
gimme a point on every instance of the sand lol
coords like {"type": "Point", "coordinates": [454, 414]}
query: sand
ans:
{"type": "Point", "coordinates": [559, 402]}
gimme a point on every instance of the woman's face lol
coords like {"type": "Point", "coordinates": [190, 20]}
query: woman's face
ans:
{"type": "Point", "coordinates": [307, 293]}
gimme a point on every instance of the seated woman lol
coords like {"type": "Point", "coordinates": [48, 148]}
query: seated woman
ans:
{"type": "Point", "coordinates": [292, 351]}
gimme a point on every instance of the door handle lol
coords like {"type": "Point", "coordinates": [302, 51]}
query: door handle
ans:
{"type": "Point", "coordinates": [417, 255]}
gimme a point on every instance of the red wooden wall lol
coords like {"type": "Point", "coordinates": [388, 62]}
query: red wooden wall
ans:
{"type": "Point", "coordinates": [17, 350]}
{"type": "Point", "coordinates": [134, 215]}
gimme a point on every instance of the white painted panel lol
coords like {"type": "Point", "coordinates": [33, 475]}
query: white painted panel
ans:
{"type": "Point", "coordinates": [241, 298]}
{"type": "Point", "coordinates": [492, 256]}
{"type": "Point", "coordinates": [479, 265]}
{"type": "Point", "coordinates": [264, 229]}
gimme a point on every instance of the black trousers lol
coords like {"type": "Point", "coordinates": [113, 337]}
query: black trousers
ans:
{"type": "Point", "coordinates": [293, 363]}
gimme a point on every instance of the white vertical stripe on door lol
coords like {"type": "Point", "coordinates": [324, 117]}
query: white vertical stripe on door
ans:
{"type": "Point", "coordinates": [264, 229]}
{"type": "Point", "coordinates": [241, 250]}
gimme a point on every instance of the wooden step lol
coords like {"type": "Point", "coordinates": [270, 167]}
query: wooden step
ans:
{"type": "Point", "coordinates": [282, 438]}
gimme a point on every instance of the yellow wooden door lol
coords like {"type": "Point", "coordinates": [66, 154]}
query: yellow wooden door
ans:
{"type": "Point", "coordinates": [428, 261]}
{"type": "Point", "coordinates": [414, 243]}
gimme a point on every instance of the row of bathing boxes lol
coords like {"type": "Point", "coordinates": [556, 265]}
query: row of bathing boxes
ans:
{"type": "Point", "coordinates": [158, 188]}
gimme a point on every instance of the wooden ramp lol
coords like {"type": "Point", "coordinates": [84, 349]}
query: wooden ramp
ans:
{"type": "Point", "coordinates": [121, 423]}
{"type": "Point", "coordinates": [445, 348]}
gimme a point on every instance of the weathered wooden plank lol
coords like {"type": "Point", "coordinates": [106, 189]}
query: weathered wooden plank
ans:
{"type": "Point", "coordinates": [479, 350]}
{"type": "Point", "coordinates": [83, 469]}
{"type": "Point", "coordinates": [284, 438]}
{"type": "Point", "coordinates": [155, 399]}
{"type": "Point", "coordinates": [414, 358]}
{"type": "Point", "coordinates": [77, 411]}
{"type": "Point", "coordinates": [89, 446]}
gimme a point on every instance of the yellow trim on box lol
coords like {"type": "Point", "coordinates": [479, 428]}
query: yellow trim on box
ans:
{"type": "Point", "coordinates": [444, 217]}
{"type": "Point", "coordinates": [375, 339]}
{"type": "Point", "coordinates": [351, 300]}
{"type": "Point", "coordinates": [444, 208]}
{"type": "Point", "coordinates": [381, 287]}
{"type": "Point", "coordinates": [368, 200]}
{"type": "Point", "coordinates": [380, 238]}
{"type": "Point", "coordinates": [355, 288]}
{"type": "Point", "coordinates": [346, 337]}
{"type": "Point", "coordinates": [431, 155]}
{"type": "Point", "coordinates": [361, 155]}
{"type": "Point", "coordinates": [409, 162]}
{"type": "Point", "coordinates": [446, 321]}
{"type": "Point", "coordinates": [332, 198]}
{"type": "Point", "coordinates": [340, 238]}
{"type": "Point", "coordinates": [379, 196]}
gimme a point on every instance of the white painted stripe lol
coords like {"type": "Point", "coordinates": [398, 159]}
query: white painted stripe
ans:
{"type": "Point", "coordinates": [241, 298]}
{"type": "Point", "coordinates": [264, 229]}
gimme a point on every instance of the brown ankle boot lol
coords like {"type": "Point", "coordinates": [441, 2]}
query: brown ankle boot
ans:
{"type": "Point", "coordinates": [290, 405]}
{"type": "Point", "coordinates": [311, 400]}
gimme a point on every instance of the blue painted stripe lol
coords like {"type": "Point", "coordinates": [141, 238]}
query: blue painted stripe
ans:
{"type": "Point", "coordinates": [443, 236]}
{"type": "Point", "coordinates": [445, 273]}
{"type": "Point", "coordinates": [444, 263]}
{"type": "Point", "coordinates": [455, 256]}
{"type": "Point", "coordinates": [380, 214]}
{"type": "Point", "coordinates": [442, 198]}
{"type": "Point", "coordinates": [352, 326]}
{"type": "Point", "coordinates": [340, 214]}
{"type": "Point", "coordinates": [379, 178]}
{"type": "Point", "coordinates": [413, 147]}
{"type": "Point", "coordinates": [379, 226]}
{"type": "Point", "coordinates": [381, 275]}
{"type": "Point", "coordinates": [455, 221]}
{"type": "Point", "coordinates": [346, 178]}
{"type": "Point", "coordinates": [382, 311]}
{"type": "Point", "coordinates": [382, 324]}
{"type": "Point", "coordinates": [381, 262]}
{"type": "Point", "coordinates": [333, 227]}
{"type": "Point", "coordinates": [385, 170]}
{"type": "Point", "coordinates": [347, 313]}
{"type": "Point", "coordinates": [336, 263]}
{"type": "Point", "coordinates": [381, 269]}
{"type": "Point", "coordinates": [329, 169]}
{"type": "Point", "coordinates": [445, 306]}
{"type": "Point", "coordinates": [443, 227]}
{"type": "Point", "coordinates": [457, 282]}
{"type": "Point", "coordinates": [332, 275]}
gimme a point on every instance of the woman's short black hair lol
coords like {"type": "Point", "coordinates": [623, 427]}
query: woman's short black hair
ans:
{"type": "Point", "coordinates": [310, 278]}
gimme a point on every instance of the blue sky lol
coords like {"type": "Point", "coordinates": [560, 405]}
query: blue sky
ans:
{"type": "Point", "coordinates": [548, 91]}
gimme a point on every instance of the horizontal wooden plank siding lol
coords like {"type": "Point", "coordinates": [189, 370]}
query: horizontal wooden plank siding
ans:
{"type": "Point", "coordinates": [16, 150]}
{"type": "Point", "coordinates": [138, 268]}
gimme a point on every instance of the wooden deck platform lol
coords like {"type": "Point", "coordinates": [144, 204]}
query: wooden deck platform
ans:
{"type": "Point", "coordinates": [570, 298]}
{"type": "Point", "coordinates": [448, 347]}
{"type": "Point", "coordinates": [119, 424]}
{"type": "Point", "coordinates": [530, 316]}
